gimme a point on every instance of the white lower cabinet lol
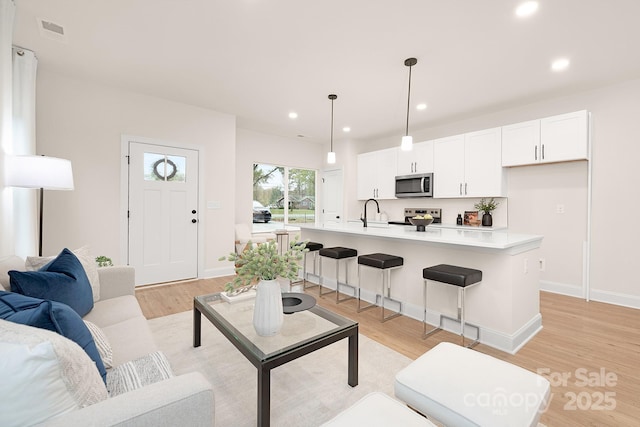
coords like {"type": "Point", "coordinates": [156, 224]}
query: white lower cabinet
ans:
{"type": "Point", "coordinates": [469, 165]}
{"type": "Point", "coordinates": [376, 174]}
{"type": "Point", "coordinates": [560, 138]}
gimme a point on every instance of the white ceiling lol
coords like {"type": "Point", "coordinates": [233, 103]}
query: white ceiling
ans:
{"type": "Point", "coordinates": [261, 59]}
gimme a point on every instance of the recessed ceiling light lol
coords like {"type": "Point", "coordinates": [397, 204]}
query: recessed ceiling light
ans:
{"type": "Point", "coordinates": [560, 64]}
{"type": "Point", "coordinates": [422, 106]}
{"type": "Point", "coordinates": [527, 8]}
{"type": "Point", "coordinates": [293, 115]}
{"type": "Point", "coordinates": [346, 129]}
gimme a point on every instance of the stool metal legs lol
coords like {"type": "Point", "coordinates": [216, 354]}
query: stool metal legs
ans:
{"type": "Point", "coordinates": [360, 307]}
{"type": "Point", "coordinates": [386, 285]}
{"type": "Point", "coordinates": [304, 270]}
{"type": "Point", "coordinates": [346, 280]}
{"type": "Point", "coordinates": [460, 317]}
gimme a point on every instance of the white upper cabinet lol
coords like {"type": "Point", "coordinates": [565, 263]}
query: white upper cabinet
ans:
{"type": "Point", "coordinates": [418, 160]}
{"type": "Point", "coordinates": [469, 165]}
{"type": "Point", "coordinates": [448, 170]}
{"type": "Point", "coordinates": [553, 139]}
{"type": "Point", "coordinates": [376, 174]}
{"type": "Point", "coordinates": [564, 137]}
{"type": "Point", "coordinates": [521, 143]}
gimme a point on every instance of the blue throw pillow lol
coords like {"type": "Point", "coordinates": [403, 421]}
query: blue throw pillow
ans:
{"type": "Point", "coordinates": [63, 280]}
{"type": "Point", "coordinates": [53, 316]}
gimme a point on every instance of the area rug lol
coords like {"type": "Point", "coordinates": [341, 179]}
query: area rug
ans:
{"type": "Point", "coordinates": [305, 392]}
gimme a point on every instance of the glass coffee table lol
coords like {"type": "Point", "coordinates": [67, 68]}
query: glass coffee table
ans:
{"type": "Point", "coordinates": [302, 333]}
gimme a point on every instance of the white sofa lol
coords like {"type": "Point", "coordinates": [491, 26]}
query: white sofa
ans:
{"type": "Point", "coordinates": [181, 400]}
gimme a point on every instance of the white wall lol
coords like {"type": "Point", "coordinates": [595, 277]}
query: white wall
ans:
{"type": "Point", "coordinates": [255, 147]}
{"type": "Point", "coordinates": [84, 122]}
{"type": "Point", "coordinates": [535, 192]}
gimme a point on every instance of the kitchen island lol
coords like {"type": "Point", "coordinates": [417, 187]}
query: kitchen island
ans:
{"type": "Point", "coordinates": [505, 305]}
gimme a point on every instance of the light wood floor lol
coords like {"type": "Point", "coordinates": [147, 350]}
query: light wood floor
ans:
{"type": "Point", "coordinates": [589, 351]}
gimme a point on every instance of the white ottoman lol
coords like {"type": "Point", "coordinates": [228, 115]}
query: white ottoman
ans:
{"type": "Point", "coordinates": [378, 410]}
{"type": "Point", "coordinates": [462, 387]}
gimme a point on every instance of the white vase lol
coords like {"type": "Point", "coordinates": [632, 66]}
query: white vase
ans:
{"type": "Point", "coordinates": [267, 313]}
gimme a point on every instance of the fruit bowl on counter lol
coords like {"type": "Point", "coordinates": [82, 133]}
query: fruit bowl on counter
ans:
{"type": "Point", "coordinates": [421, 223]}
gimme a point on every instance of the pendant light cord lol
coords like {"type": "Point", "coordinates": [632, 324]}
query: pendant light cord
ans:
{"type": "Point", "coordinates": [332, 97]}
{"type": "Point", "coordinates": [332, 124]}
{"type": "Point", "coordinates": [408, 102]}
{"type": "Point", "coordinates": [409, 62]}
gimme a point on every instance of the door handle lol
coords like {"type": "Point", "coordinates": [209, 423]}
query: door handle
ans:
{"type": "Point", "coordinates": [542, 152]}
{"type": "Point", "coordinates": [194, 220]}
{"type": "Point", "coordinates": [193, 211]}
{"type": "Point", "coordinates": [536, 153]}
{"type": "Point", "coordinates": [461, 189]}
{"type": "Point", "coordinates": [465, 188]}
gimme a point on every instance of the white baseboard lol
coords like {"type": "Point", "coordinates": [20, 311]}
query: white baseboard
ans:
{"type": "Point", "coordinates": [562, 288]}
{"type": "Point", "coordinates": [608, 297]}
{"type": "Point", "coordinates": [496, 339]}
{"type": "Point", "coordinates": [219, 272]}
{"type": "Point", "coordinates": [615, 298]}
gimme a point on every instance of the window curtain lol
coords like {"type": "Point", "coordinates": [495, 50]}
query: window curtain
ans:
{"type": "Point", "coordinates": [7, 12]}
{"type": "Point", "coordinates": [25, 206]}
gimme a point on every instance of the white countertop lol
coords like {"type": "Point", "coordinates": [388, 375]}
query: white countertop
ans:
{"type": "Point", "coordinates": [463, 236]}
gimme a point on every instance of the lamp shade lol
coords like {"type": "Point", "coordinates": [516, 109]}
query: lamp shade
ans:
{"type": "Point", "coordinates": [331, 157]}
{"type": "Point", "coordinates": [407, 143]}
{"type": "Point", "coordinates": [50, 173]}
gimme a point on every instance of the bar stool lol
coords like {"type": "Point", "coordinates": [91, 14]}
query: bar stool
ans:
{"type": "Point", "coordinates": [338, 253]}
{"type": "Point", "coordinates": [385, 263]}
{"type": "Point", "coordinates": [312, 247]}
{"type": "Point", "coordinates": [461, 277]}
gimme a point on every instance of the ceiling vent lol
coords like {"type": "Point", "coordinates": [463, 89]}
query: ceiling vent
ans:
{"type": "Point", "coordinates": [52, 31]}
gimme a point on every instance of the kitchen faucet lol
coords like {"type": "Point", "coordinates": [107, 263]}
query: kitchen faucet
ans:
{"type": "Point", "coordinates": [364, 220]}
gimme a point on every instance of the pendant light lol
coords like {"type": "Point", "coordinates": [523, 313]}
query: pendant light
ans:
{"type": "Point", "coordinates": [407, 140]}
{"type": "Point", "coordinates": [331, 156]}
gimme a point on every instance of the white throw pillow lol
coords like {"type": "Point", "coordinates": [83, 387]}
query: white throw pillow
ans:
{"type": "Point", "coordinates": [88, 262]}
{"type": "Point", "coordinates": [135, 374]}
{"type": "Point", "coordinates": [102, 343]}
{"type": "Point", "coordinates": [43, 375]}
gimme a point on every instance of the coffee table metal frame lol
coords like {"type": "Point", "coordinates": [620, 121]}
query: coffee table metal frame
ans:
{"type": "Point", "coordinates": [345, 328]}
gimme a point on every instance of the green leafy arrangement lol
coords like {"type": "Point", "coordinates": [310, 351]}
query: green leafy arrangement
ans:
{"type": "Point", "coordinates": [262, 262]}
{"type": "Point", "coordinates": [486, 206]}
{"type": "Point", "coordinates": [104, 261]}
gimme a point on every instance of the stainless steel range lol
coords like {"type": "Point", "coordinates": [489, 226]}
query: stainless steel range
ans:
{"type": "Point", "coordinates": [436, 213]}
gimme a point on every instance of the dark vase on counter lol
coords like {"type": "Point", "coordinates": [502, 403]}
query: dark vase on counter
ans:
{"type": "Point", "coordinates": [487, 219]}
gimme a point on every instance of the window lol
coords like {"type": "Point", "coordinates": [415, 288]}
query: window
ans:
{"type": "Point", "coordinates": [159, 167]}
{"type": "Point", "coordinates": [279, 204]}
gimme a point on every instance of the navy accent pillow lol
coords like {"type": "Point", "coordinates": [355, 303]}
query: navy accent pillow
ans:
{"type": "Point", "coordinates": [63, 279]}
{"type": "Point", "coordinates": [51, 315]}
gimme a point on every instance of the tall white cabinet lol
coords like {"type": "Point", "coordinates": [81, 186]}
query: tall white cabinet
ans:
{"type": "Point", "coordinates": [553, 139]}
{"type": "Point", "coordinates": [376, 174]}
{"type": "Point", "coordinates": [469, 165]}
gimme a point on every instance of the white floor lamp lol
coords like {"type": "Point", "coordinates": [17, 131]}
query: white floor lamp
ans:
{"type": "Point", "coordinates": [45, 173]}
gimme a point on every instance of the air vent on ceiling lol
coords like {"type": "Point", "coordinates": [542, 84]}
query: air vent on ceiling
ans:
{"type": "Point", "coordinates": [51, 30]}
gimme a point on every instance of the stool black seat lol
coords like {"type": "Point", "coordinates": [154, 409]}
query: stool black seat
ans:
{"type": "Point", "coordinates": [313, 247]}
{"type": "Point", "coordinates": [385, 263]}
{"type": "Point", "coordinates": [454, 275]}
{"type": "Point", "coordinates": [379, 260]}
{"type": "Point", "coordinates": [338, 253]}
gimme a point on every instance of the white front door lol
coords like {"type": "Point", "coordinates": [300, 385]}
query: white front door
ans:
{"type": "Point", "coordinates": [163, 217]}
{"type": "Point", "coordinates": [332, 196]}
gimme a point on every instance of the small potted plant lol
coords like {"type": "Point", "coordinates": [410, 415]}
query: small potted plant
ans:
{"type": "Point", "coordinates": [263, 262]}
{"type": "Point", "coordinates": [486, 207]}
{"type": "Point", "coordinates": [104, 261]}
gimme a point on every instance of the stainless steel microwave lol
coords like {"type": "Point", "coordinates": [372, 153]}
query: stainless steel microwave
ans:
{"type": "Point", "coordinates": [416, 185]}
